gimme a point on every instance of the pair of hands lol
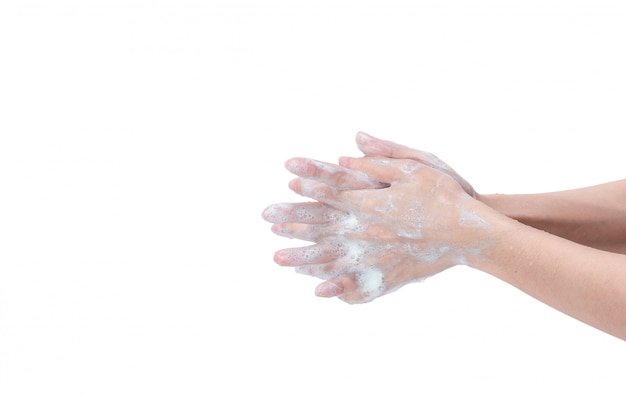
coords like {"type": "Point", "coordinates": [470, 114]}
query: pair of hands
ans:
{"type": "Point", "coordinates": [395, 216]}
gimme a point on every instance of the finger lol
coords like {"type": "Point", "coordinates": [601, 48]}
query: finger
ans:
{"type": "Point", "coordinates": [367, 285]}
{"type": "Point", "coordinates": [304, 213]}
{"type": "Point", "coordinates": [336, 176]}
{"type": "Point", "coordinates": [383, 169]}
{"type": "Point", "coordinates": [336, 287]}
{"type": "Point", "coordinates": [343, 266]}
{"type": "Point", "coordinates": [349, 288]}
{"type": "Point", "coordinates": [316, 190]}
{"type": "Point", "coordinates": [373, 146]}
{"type": "Point", "coordinates": [329, 289]}
{"type": "Point", "coordinates": [309, 255]}
{"type": "Point", "coordinates": [325, 271]}
{"type": "Point", "coordinates": [306, 232]}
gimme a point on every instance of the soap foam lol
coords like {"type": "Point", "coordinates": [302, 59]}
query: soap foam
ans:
{"type": "Point", "coordinates": [346, 249]}
{"type": "Point", "coordinates": [430, 254]}
{"type": "Point", "coordinates": [371, 282]}
{"type": "Point", "coordinates": [350, 223]}
{"type": "Point", "coordinates": [277, 213]}
{"type": "Point", "coordinates": [411, 221]}
{"type": "Point", "coordinates": [349, 261]}
{"type": "Point", "coordinates": [471, 219]}
{"type": "Point", "coordinates": [303, 215]}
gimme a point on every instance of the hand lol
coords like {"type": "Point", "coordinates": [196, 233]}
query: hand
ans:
{"type": "Point", "coordinates": [369, 242]}
{"type": "Point", "coordinates": [343, 178]}
{"type": "Point", "coordinates": [372, 146]}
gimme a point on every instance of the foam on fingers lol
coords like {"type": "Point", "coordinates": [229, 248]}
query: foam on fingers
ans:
{"type": "Point", "coordinates": [303, 213]}
{"type": "Point", "coordinates": [336, 176]}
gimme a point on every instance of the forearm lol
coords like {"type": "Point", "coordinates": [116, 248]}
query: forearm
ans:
{"type": "Point", "coordinates": [593, 216]}
{"type": "Point", "coordinates": [585, 283]}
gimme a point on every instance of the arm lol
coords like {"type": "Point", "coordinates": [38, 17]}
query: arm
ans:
{"type": "Point", "coordinates": [585, 283]}
{"type": "Point", "coordinates": [594, 216]}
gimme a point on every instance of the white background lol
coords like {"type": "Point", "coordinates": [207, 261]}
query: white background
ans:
{"type": "Point", "coordinates": [140, 141]}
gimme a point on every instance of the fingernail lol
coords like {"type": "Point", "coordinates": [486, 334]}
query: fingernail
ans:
{"type": "Point", "coordinates": [294, 165]}
{"type": "Point", "coordinates": [269, 213]}
{"type": "Point", "coordinates": [345, 161]}
{"type": "Point", "coordinates": [280, 257]}
{"type": "Point", "coordinates": [328, 290]}
{"type": "Point", "coordinates": [275, 213]}
{"type": "Point", "coordinates": [363, 137]}
{"type": "Point", "coordinates": [293, 184]}
{"type": "Point", "coordinates": [282, 230]}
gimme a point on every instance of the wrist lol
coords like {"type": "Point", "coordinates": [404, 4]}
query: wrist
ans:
{"type": "Point", "coordinates": [504, 236]}
{"type": "Point", "coordinates": [508, 205]}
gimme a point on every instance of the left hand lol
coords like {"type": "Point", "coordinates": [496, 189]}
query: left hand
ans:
{"type": "Point", "coordinates": [370, 242]}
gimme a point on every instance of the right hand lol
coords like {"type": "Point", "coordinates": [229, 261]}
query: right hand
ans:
{"type": "Point", "coordinates": [372, 241]}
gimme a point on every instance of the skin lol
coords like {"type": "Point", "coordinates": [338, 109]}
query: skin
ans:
{"type": "Point", "coordinates": [394, 228]}
{"type": "Point", "coordinates": [594, 216]}
{"type": "Point", "coordinates": [412, 216]}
